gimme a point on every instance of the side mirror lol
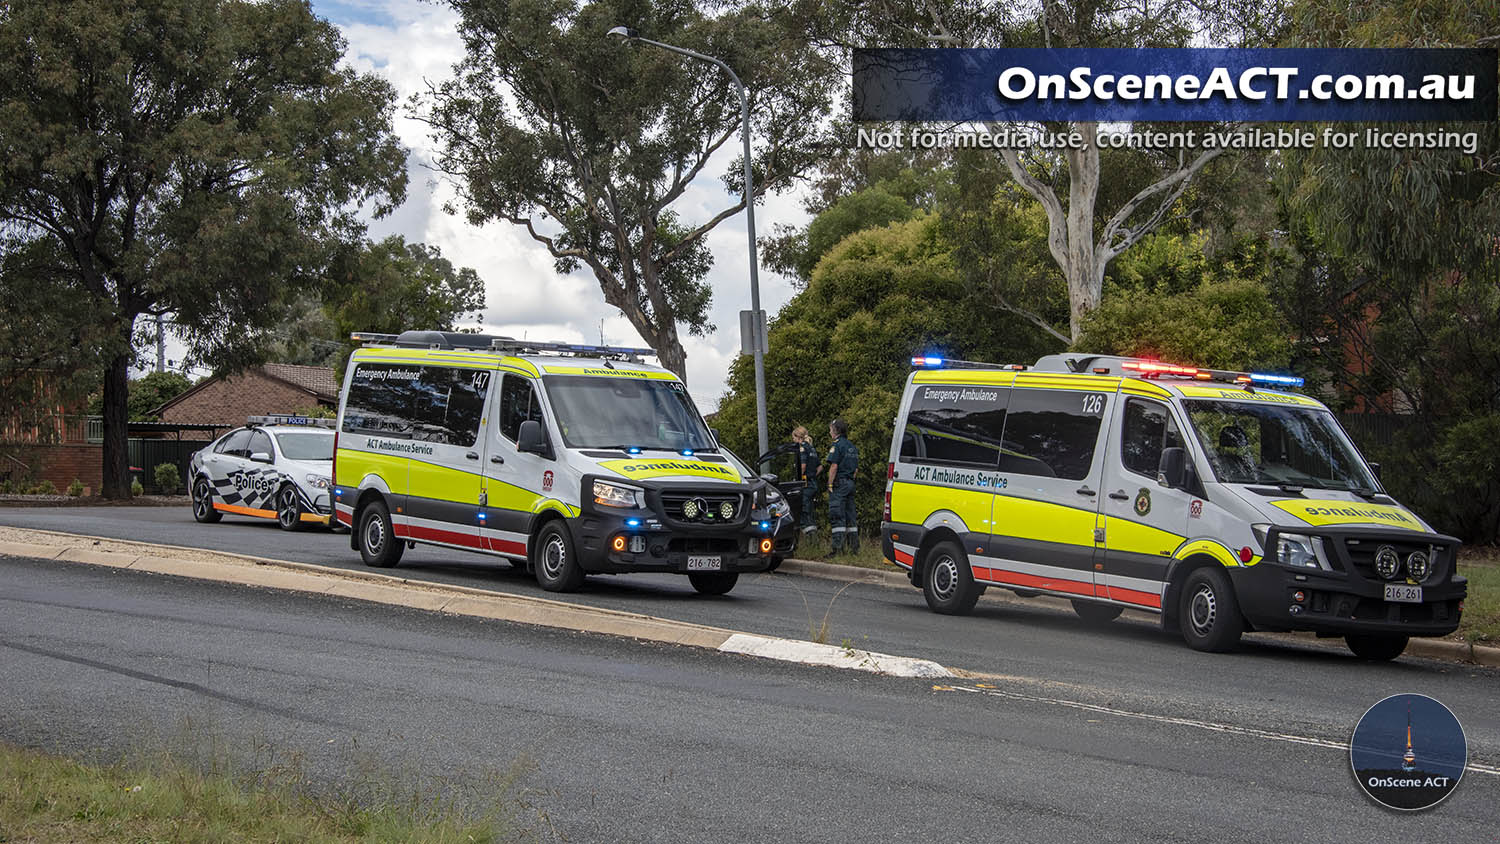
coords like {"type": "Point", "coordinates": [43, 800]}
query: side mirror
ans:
{"type": "Point", "coordinates": [769, 478]}
{"type": "Point", "coordinates": [714, 432]}
{"type": "Point", "coordinates": [531, 439]}
{"type": "Point", "coordinates": [1375, 470]}
{"type": "Point", "coordinates": [260, 457]}
{"type": "Point", "coordinates": [1171, 469]}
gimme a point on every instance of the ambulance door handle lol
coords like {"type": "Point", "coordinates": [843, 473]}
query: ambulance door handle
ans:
{"type": "Point", "coordinates": [1120, 495]}
{"type": "Point", "coordinates": [1084, 490]}
{"type": "Point", "coordinates": [495, 458]}
{"type": "Point", "coordinates": [473, 455]}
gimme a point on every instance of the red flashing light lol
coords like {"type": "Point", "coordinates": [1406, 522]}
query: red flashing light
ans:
{"type": "Point", "coordinates": [1155, 367]}
{"type": "Point", "coordinates": [1246, 554]}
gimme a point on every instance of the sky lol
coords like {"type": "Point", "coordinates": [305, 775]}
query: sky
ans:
{"type": "Point", "coordinates": [409, 42]}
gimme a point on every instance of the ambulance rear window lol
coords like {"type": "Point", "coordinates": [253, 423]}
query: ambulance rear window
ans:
{"type": "Point", "coordinates": [955, 424]}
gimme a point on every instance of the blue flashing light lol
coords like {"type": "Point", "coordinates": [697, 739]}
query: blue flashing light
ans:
{"type": "Point", "coordinates": [765, 525]}
{"type": "Point", "coordinates": [482, 517]}
{"type": "Point", "coordinates": [1282, 380]}
{"type": "Point", "coordinates": [926, 360]}
{"type": "Point", "coordinates": [687, 452]}
{"type": "Point", "coordinates": [632, 523]}
{"type": "Point", "coordinates": [338, 491]}
{"type": "Point", "coordinates": [635, 449]}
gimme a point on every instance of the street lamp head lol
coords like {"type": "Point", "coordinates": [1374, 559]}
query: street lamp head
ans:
{"type": "Point", "coordinates": [623, 32]}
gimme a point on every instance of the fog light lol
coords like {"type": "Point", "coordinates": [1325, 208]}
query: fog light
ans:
{"type": "Point", "coordinates": [690, 508]}
{"type": "Point", "coordinates": [1299, 596]}
{"type": "Point", "coordinates": [726, 510]}
{"type": "Point", "coordinates": [1418, 565]}
{"type": "Point", "coordinates": [765, 546]}
{"type": "Point", "coordinates": [1295, 609]}
{"type": "Point", "coordinates": [637, 544]}
{"type": "Point", "coordinates": [618, 543]}
{"type": "Point", "coordinates": [1387, 562]}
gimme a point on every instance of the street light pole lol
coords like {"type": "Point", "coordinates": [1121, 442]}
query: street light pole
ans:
{"type": "Point", "coordinates": [757, 347]}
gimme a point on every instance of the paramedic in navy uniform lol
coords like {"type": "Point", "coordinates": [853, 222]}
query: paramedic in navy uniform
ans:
{"type": "Point", "coordinates": [807, 470]}
{"type": "Point", "coordinates": [843, 463]}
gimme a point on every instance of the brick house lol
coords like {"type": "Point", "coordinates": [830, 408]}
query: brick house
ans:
{"type": "Point", "coordinates": [269, 388]}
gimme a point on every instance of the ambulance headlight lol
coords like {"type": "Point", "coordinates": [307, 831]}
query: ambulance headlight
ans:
{"type": "Point", "coordinates": [776, 503]}
{"type": "Point", "coordinates": [607, 494]}
{"type": "Point", "coordinates": [319, 481]}
{"type": "Point", "coordinates": [1301, 551]}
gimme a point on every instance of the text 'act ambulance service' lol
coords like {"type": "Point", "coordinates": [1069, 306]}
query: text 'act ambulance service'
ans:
{"type": "Point", "coordinates": [1202, 495]}
{"type": "Point", "coordinates": [565, 459]}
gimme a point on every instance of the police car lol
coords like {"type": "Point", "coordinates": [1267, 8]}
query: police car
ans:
{"type": "Point", "coordinates": [276, 467]}
{"type": "Point", "coordinates": [563, 459]}
{"type": "Point", "coordinates": [1214, 498]}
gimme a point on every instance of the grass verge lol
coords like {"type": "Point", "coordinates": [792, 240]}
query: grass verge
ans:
{"type": "Point", "coordinates": [47, 799]}
{"type": "Point", "coordinates": [1480, 623]}
{"type": "Point", "coordinates": [816, 547]}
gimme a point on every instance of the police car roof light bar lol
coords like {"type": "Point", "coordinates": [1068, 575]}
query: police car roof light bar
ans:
{"type": "Point", "coordinates": [289, 419]}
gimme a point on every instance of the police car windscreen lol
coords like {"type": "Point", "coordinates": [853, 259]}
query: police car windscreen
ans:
{"type": "Point", "coordinates": [1277, 444]}
{"type": "Point", "coordinates": [306, 446]}
{"type": "Point", "coordinates": [625, 411]}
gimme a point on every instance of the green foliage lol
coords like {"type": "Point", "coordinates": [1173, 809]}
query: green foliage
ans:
{"type": "Point", "coordinates": [183, 156]}
{"type": "Point", "coordinates": [866, 209]}
{"type": "Point", "coordinates": [842, 347]}
{"type": "Point", "coordinates": [167, 478]}
{"type": "Point", "coordinates": [147, 393]}
{"type": "Point", "coordinates": [136, 490]}
{"type": "Point", "coordinates": [43, 488]}
{"type": "Point", "coordinates": [587, 140]}
{"type": "Point", "coordinates": [1169, 302]}
{"type": "Point", "coordinates": [75, 489]}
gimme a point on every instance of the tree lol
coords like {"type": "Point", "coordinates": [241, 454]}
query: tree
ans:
{"type": "Point", "coordinates": [586, 141]}
{"type": "Point", "coordinates": [385, 287]}
{"type": "Point", "coordinates": [184, 156]}
{"type": "Point", "coordinates": [153, 390]}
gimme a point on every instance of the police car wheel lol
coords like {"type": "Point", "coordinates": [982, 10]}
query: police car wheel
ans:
{"type": "Point", "coordinates": [713, 582]}
{"type": "Point", "coordinates": [203, 502]}
{"type": "Point", "coordinates": [1209, 612]}
{"type": "Point", "coordinates": [947, 583]}
{"type": "Point", "coordinates": [1376, 646]}
{"type": "Point", "coordinates": [556, 566]}
{"type": "Point", "coordinates": [378, 544]}
{"type": "Point", "coordinates": [288, 509]}
{"type": "Point", "coordinates": [1095, 613]}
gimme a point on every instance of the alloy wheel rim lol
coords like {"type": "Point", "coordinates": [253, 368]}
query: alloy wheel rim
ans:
{"type": "Point", "coordinates": [1204, 608]}
{"type": "Point", "coordinates": [200, 498]}
{"type": "Point", "coordinates": [288, 509]}
{"type": "Point", "coordinates": [945, 578]}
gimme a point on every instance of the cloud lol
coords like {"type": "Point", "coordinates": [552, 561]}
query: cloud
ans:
{"type": "Point", "coordinates": [411, 43]}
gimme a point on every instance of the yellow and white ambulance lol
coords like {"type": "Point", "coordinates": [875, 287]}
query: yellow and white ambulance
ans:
{"type": "Point", "coordinates": [566, 459]}
{"type": "Point", "coordinates": [1207, 496]}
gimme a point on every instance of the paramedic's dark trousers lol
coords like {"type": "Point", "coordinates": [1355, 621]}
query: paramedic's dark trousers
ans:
{"type": "Point", "coordinates": [841, 516]}
{"type": "Point", "coordinates": [809, 516]}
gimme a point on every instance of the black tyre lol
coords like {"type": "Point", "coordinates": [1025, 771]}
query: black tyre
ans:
{"type": "Point", "coordinates": [378, 543]}
{"type": "Point", "coordinates": [1381, 647]}
{"type": "Point", "coordinates": [1208, 611]}
{"type": "Point", "coordinates": [1095, 613]}
{"type": "Point", "coordinates": [947, 583]}
{"type": "Point", "coordinates": [713, 582]}
{"type": "Point", "coordinates": [203, 502]}
{"type": "Point", "coordinates": [288, 508]}
{"type": "Point", "coordinates": [775, 563]}
{"type": "Point", "coordinates": [556, 566]}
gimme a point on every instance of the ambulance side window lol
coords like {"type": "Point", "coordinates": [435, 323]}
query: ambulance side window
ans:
{"type": "Point", "coordinates": [1051, 433]}
{"type": "Point", "coordinates": [1148, 428]}
{"type": "Point", "coordinates": [448, 403]}
{"type": "Point", "coordinates": [518, 403]}
{"type": "Point", "coordinates": [955, 425]}
{"type": "Point", "coordinates": [380, 400]}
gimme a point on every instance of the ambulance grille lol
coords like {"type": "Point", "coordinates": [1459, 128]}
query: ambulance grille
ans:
{"type": "Point", "coordinates": [708, 508]}
{"type": "Point", "coordinates": [1362, 551]}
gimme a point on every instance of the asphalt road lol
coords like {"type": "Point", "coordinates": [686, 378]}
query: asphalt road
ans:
{"type": "Point", "coordinates": [637, 742]}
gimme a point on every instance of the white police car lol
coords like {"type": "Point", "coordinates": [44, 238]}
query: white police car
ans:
{"type": "Point", "coordinates": [276, 467]}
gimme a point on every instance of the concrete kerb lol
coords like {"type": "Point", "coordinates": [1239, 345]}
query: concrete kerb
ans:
{"type": "Point", "coordinates": [1429, 648]}
{"type": "Point", "coordinates": [244, 569]}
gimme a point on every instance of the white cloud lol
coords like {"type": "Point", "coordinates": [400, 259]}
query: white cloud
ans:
{"type": "Point", "coordinates": [410, 43]}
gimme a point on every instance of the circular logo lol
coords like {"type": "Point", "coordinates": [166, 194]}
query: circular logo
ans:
{"type": "Point", "coordinates": [1143, 502]}
{"type": "Point", "coordinates": [1408, 752]}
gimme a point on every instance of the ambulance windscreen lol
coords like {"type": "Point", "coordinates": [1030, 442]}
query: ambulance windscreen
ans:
{"type": "Point", "coordinates": [1277, 444]}
{"type": "Point", "coordinates": [616, 411]}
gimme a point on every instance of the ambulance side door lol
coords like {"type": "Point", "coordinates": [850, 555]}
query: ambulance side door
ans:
{"type": "Point", "coordinates": [515, 481]}
{"type": "Point", "coordinates": [1144, 521]}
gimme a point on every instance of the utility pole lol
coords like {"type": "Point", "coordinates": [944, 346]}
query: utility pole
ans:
{"type": "Point", "coordinates": [161, 345]}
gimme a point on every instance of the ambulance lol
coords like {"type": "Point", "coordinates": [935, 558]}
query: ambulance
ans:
{"type": "Point", "coordinates": [563, 459]}
{"type": "Point", "coordinates": [1213, 498]}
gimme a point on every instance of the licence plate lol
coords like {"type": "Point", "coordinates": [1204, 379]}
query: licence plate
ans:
{"type": "Point", "coordinates": [705, 563]}
{"type": "Point", "coordinates": [1403, 593]}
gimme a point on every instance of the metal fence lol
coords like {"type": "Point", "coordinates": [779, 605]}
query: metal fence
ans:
{"type": "Point", "coordinates": [1374, 430]}
{"type": "Point", "coordinates": [147, 454]}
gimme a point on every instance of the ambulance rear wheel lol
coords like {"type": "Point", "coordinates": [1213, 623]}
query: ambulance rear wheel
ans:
{"type": "Point", "coordinates": [203, 502]}
{"type": "Point", "coordinates": [557, 568]}
{"type": "Point", "coordinates": [713, 582]}
{"type": "Point", "coordinates": [1376, 646]}
{"type": "Point", "coordinates": [947, 583]}
{"type": "Point", "coordinates": [1209, 613]}
{"type": "Point", "coordinates": [1094, 613]}
{"type": "Point", "coordinates": [378, 543]}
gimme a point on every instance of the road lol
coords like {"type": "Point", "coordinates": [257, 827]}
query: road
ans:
{"type": "Point", "coordinates": [639, 742]}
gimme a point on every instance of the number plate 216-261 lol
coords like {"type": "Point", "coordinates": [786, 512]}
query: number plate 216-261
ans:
{"type": "Point", "coordinates": [1403, 593]}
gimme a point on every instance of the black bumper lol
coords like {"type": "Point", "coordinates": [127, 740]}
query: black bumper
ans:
{"type": "Point", "coordinates": [665, 545]}
{"type": "Point", "coordinates": [1351, 599]}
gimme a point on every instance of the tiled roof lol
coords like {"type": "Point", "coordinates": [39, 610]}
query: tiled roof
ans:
{"type": "Point", "coordinates": [318, 379]}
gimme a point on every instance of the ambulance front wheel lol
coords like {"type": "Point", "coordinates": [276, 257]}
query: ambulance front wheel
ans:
{"type": "Point", "coordinates": [1376, 646]}
{"type": "Point", "coordinates": [947, 583]}
{"type": "Point", "coordinates": [713, 582]}
{"type": "Point", "coordinates": [1209, 613]}
{"type": "Point", "coordinates": [378, 543]}
{"type": "Point", "coordinates": [1095, 613]}
{"type": "Point", "coordinates": [557, 568]}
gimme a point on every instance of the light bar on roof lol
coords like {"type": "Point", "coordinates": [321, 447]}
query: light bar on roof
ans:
{"type": "Point", "coordinates": [1156, 367]}
{"type": "Point", "coordinates": [1282, 380]}
{"type": "Point", "coordinates": [920, 361]}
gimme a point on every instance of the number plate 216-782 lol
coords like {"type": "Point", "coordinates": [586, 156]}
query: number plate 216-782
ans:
{"type": "Point", "coordinates": [1403, 593]}
{"type": "Point", "coordinates": [696, 563]}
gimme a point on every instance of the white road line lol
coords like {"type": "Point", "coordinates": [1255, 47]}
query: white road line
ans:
{"type": "Point", "coordinates": [1185, 722]}
{"type": "Point", "coordinates": [812, 653]}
